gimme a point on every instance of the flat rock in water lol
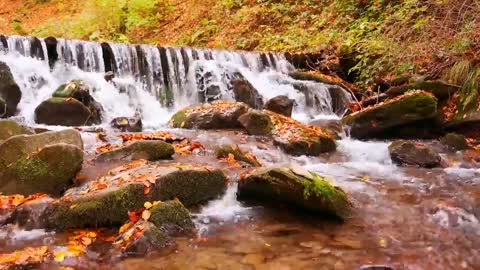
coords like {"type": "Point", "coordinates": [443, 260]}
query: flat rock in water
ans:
{"type": "Point", "coordinates": [149, 149]}
{"type": "Point", "coordinates": [411, 107]}
{"type": "Point", "coordinates": [107, 200]}
{"type": "Point", "coordinates": [219, 114]}
{"type": "Point", "coordinates": [413, 154]}
{"type": "Point", "coordinates": [296, 186]}
{"type": "Point", "coordinates": [10, 128]}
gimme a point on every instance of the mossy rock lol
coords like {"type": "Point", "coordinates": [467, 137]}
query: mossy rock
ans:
{"type": "Point", "coordinates": [298, 187]}
{"type": "Point", "coordinates": [297, 139]}
{"type": "Point", "coordinates": [455, 142]}
{"type": "Point", "coordinates": [256, 123]}
{"type": "Point", "coordinates": [89, 206]}
{"type": "Point", "coordinates": [10, 128]}
{"type": "Point", "coordinates": [20, 146]}
{"type": "Point", "coordinates": [140, 239]}
{"type": "Point", "coordinates": [148, 150]}
{"type": "Point", "coordinates": [220, 114]}
{"type": "Point", "coordinates": [10, 93]}
{"type": "Point", "coordinates": [223, 151]}
{"type": "Point", "coordinates": [62, 112]}
{"type": "Point", "coordinates": [439, 89]}
{"type": "Point", "coordinates": [50, 170]}
{"type": "Point", "coordinates": [408, 153]}
{"type": "Point", "coordinates": [405, 109]}
{"type": "Point", "coordinates": [75, 89]}
{"type": "Point", "coordinates": [172, 216]}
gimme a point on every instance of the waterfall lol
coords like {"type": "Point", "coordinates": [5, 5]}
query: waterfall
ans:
{"type": "Point", "coordinates": [155, 80]}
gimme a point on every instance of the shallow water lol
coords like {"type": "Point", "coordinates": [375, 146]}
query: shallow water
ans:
{"type": "Point", "coordinates": [407, 218]}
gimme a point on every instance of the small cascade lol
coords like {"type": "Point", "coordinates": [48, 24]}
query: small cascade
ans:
{"type": "Point", "coordinates": [165, 78]}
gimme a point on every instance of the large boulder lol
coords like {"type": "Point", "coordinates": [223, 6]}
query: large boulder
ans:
{"type": "Point", "coordinates": [50, 170]}
{"type": "Point", "coordinates": [256, 123]}
{"type": "Point", "coordinates": [281, 105]}
{"type": "Point", "coordinates": [244, 92]}
{"type": "Point", "coordinates": [227, 150]}
{"type": "Point", "coordinates": [127, 188]}
{"type": "Point", "coordinates": [10, 128]}
{"type": "Point", "coordinates": [127, 124]}
{"type": "Point", "coordinates": [294, 185]}
{"type": "Point", "coordinates": [10, 93]}
{"type": "Point", "coordinates": [408, 153]}
{"type": "Point", "coordinates": [220, 114]}
{"type": "Point", "coordinates": [439, 89]}
{"type": "Point", "coordinates": [78, 90]}
{"type": "Point", "coordinates": [30, 163]}
{"type": "Point", "coordinates": [409, 108]}
{"type": "Point", "coordinates": [62, 112]}
{"type": "Point", "coordinates": [149, 149]}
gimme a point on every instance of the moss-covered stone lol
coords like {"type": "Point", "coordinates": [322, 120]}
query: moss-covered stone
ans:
{"type": "Point", "coordinates": [439, 89]}
{"type": "Point", "coordinates": [9, 92]}
{"type": "Point", "coordinates": [256, 123]}
{"type": "Point", "coordinates": [296, 186]}
{"type": "Point", "coordinates": [405, 109]}
{"type": "Point", "coordinates": [10, 128]}
{"type": "Point", "coordinates": [172, 216]}
{"type": "Point", "coordinates": [62, 112]}
{"type": "Point", "coordinates": [407, 153]}
{"type": "Point", "coordinates": [149, 150]}
{"type": "Point", "coordinates": [455, 142]}
{"type": "Point", "coordinates": [50, 170]}
{"type": "Point", "coordinates": [106, 201]}
{"type": "Point", "coordinates": [140, 239]}
{"type": "Point", "coordinates": [223, 151]}
{"type": "Point", "coordinates": [219, 114]}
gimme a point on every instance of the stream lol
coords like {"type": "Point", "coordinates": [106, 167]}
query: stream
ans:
{"type": "Point", "coordinates": [404, 217]}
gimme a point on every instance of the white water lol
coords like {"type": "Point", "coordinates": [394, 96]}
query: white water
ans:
{"type": "Point", "coordinates": [141, 70]}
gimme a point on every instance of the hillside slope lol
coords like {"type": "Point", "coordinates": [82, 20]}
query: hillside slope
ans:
{"type": "Point", "coordinates": [382, 38]}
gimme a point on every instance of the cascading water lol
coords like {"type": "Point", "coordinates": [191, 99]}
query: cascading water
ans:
{"type": "Point", "coordinates": [150, 79]}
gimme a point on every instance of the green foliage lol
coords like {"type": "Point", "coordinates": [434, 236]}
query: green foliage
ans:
{"type": "Point", "coordinates": [469, 93]}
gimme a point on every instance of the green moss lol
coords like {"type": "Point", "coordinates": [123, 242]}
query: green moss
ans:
{"type": "Point", "coordinates": [31, 168]}
{"type": "Point", "coordinates": [318, 186]}
{"type": "Point", "coordinates": [171, 213]}
{"type": "Point", "coordinates": [178, 119]}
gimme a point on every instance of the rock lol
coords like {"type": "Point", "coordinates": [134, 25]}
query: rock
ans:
{"type": "Point", "coordinates": [256, 123]}
{"type": "Point", "coordinates": [402, 110]}
{"type": "Point", "coordinates": [464, 123]}
{"type": "Point", "coordinates": [30, 163]}
{"type": "Point", "coordinates": [281, 105]}
{"type": "Point", "coordinates": [28, 214]}
{"type": "Point", "coordinates": [244, 92]}
{"type": "Point", "coordinates": [62, 112]}
{"type": "Point", "coordinates": [125, 124]}
{"type": "Point", "coordinates": [10, 128]}
{"type": "Point", "coordinates": [78, 90]}
{"type": "Point", "coordinates": [413, 154]}
{"type": "Point", "coordinates": [439, 89]}
{"type": "Point", "coordinates": [223, 151]}
{"type": "Point", "coordinates": [332, 126]}
{"type": "Point", "coordinates": [109, 76]}
{"type": "Point", "coordinates": [149, 150]}
{"type": "Point", "coordinates": [127, 188]}
{"type": "Point", "coordinates": [220, 114]}
{"type": "Point", "coordinates": [375, 267]}
{"type": "Point", "coordinates": [50, 170]}
{"type": "Point", "coordinates": [455, 142]}
{"type": "Point", "coordinates": [172, 216]}
{"type": "Point", "coordinates": [296, 186]}
{"type": "Point", "coordinates": [298, 139]}
{"type": "Point", "coordinates": [10, 93]}
{"type": "Point", "coordinates": [141, 238]}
